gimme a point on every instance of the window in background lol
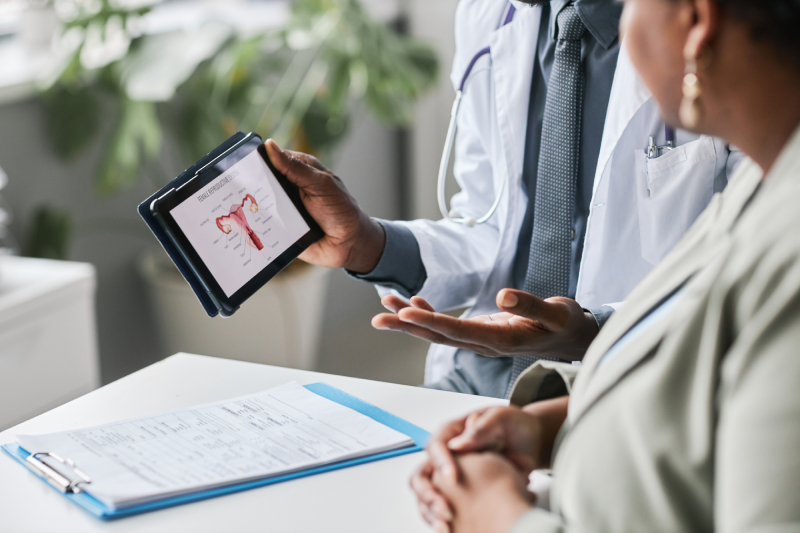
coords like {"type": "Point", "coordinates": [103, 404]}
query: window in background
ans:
{"type": "Point", "coordinates": [10, 11]}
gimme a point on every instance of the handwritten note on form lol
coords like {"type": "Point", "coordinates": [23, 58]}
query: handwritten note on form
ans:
{"type": "Point", "coordinates": [274, 432]}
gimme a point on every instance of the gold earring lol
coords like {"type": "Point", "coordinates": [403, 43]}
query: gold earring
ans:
{"type": "Point", "coordinates": [690, 111]}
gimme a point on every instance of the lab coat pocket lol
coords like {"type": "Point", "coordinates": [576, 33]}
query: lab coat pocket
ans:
{"type": "Point", "coordinates": [672, 192]}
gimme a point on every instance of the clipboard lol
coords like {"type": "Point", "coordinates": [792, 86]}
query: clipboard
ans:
{"type": "Point", "coordinates": [72, 491]}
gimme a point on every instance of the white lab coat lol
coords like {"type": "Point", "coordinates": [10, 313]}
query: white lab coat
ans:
{"type": "Point", "coordinates": [628, 231]}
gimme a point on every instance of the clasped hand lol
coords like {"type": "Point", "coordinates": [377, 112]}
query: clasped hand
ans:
{"type": "Point", "coordinates": [554, 328]}
{"type": "Point", "coordinates": [476, 475]}
{"type": "Point", "coordinates": [482, 487]}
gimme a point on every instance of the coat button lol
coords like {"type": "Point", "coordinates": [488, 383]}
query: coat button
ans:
{"type": "Point", "coordinates": [572, 234]}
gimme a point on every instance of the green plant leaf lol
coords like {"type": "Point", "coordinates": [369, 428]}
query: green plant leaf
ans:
{"type": "Point", "coordinates": [72, 119]}
{"type": "Point", "coordinates": [237, 83]}
{"type": "Point", "coordinates": [50, 233]}
{"type": "Point", "coordinates": [322, 129]}
{"type": "Point", "coordinates": [338, 89]}
{"type": "Point", "coordinates": [136, 139]}
{"type": "Point", "coordinates": [155, 69]}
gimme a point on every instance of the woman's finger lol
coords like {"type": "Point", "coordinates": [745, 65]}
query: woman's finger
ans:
{"type": "Point", "coordinates": [439, 454]}
{"type": "Point", "coordinates": [426, 513]}
{"type": "Point", "coordinates": [422, 486]}
{"type": "Point", "coordinates": [432, 505]}
{"type": "Point", "coordinates": [483, 433]}
{"type": "Point", "coordinates": [441, 527]}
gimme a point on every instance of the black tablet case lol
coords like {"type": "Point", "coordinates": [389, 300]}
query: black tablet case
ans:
{"type": "Point", "coordinates": [166, 243]}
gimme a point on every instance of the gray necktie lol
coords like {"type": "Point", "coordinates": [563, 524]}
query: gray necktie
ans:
{"type": "Point", "coordinates": [549, 260]}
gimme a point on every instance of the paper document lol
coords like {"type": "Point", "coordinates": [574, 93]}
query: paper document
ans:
{"type": "Point", "coordinates": [277, 431]}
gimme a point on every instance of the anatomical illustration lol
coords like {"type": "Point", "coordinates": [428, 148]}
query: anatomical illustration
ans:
{"type": "Point", "coordinates": [236, 217]}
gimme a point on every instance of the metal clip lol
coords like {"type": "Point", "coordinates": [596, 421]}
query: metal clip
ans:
{"type": "Point", "coordinates": [655, 151]}
{"type": "Point", "coordinates": [53, 476]}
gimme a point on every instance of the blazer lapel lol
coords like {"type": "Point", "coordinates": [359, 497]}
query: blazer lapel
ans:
{"type": "Point", "coordinates": [701, 245]}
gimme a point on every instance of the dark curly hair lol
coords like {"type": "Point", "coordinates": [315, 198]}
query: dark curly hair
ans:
{"type": "Point", "coordinates": [773, 22]}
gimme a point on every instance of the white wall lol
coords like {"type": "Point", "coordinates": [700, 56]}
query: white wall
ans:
{"type": "Point", "coordinates": [431, 20]}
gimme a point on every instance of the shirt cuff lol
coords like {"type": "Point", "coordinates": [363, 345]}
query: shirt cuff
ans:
{"type": "Point", "coordinates": [400, 266]}
{"type": "Point", "coordinates": [601, 314]}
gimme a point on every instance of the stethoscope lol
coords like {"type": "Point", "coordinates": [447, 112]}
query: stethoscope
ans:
{"type": "Point", "coordinates": [454, 215]}
{"type": "Point", "coordinates": [653, 151]}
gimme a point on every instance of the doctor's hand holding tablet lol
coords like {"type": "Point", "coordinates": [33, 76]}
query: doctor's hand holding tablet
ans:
{"type": "Point", "coordinates": [555, 328]}
{"type": "Point", "coordinates": [352, 240]}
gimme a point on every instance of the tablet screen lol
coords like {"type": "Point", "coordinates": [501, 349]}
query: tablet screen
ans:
{"type": "Point", "coordinates": [240, 222]}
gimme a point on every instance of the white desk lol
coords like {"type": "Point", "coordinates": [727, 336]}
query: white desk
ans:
{"type": "Point", "coordinates": [372, 498]}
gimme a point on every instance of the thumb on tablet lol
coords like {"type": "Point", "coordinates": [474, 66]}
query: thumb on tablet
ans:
{"type": "Point", "coordinates": [352, 239]}
{"type": "Point", "coordinates": [290, 165]}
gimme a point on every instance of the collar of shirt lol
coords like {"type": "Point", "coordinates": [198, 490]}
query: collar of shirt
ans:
{"type": "Point", "coordinates": [601, 18]}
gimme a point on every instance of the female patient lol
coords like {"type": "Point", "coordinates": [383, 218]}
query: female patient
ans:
{"type": "Point", "coordinates": [686, 413]}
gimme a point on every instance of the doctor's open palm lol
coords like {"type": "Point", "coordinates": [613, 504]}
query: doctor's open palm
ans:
{"type": "Point", "coordinates": [352, 240]}
{"type": "Point", "coordinates": [555, 328]}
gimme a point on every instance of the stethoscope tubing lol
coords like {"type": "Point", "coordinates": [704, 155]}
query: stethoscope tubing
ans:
{"type": "Point", "coordinates": [453, 215]}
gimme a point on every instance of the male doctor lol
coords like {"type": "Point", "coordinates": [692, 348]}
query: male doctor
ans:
{"type": "Point", "coordinates": [557, 108]}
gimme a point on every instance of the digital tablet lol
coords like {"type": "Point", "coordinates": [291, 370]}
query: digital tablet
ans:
{"type": "Point", "coordinates": [236, 222]}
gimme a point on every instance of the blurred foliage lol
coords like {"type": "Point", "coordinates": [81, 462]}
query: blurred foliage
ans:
{"type": "Point", "coordinates": [297, 85]}
{"type": "Point", "coordinates": [390, 70]}
{"type": "Point", "coordinates": [73, 117]}
{"type": "Point", "coordinates": [138, 135]}
{"type": "Point", "coordinates": [212, 104]}
{"type": "Point", "coordinates": [50, 233]}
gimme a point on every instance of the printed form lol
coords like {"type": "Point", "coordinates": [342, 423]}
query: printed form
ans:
{"type": "Point", "coordinates": [273, 432]}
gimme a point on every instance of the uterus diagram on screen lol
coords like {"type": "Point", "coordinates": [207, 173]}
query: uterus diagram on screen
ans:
{"type": "Point", "coordinates": [236, 219]}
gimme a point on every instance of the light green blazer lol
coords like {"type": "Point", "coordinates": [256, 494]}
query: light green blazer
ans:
{"type": "Point", "coordinates": [695, 425]}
